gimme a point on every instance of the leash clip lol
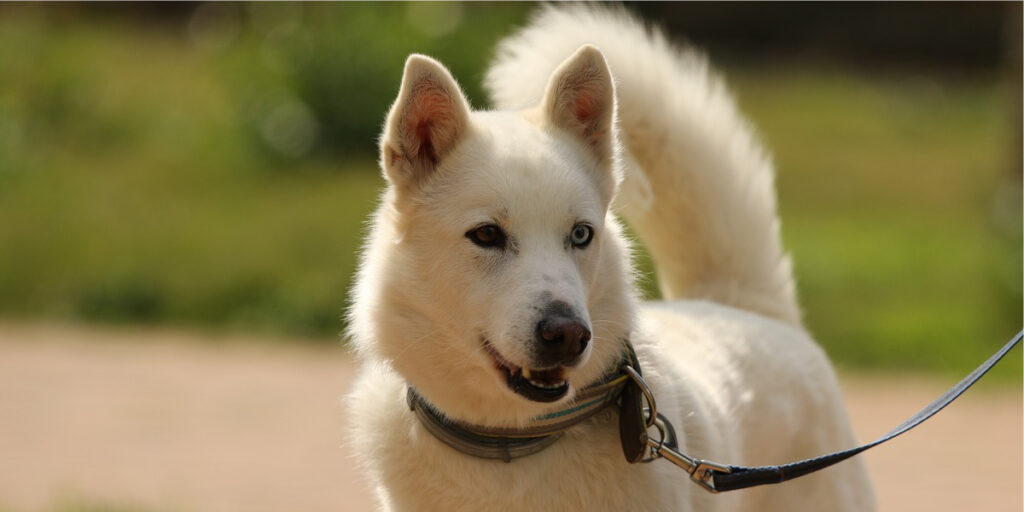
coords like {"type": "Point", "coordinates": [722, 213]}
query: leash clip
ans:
{"type": "Point", "coordinates": [666, 446]}
{"type": "Point", "coordinates": [702, 472]}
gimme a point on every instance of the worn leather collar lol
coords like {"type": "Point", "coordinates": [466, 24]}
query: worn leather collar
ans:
{"type": "Point", "coordinates": [511, 443]}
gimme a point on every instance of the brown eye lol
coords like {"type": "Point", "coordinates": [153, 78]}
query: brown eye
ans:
{"type": "Point", "coordinates": [488, 235]}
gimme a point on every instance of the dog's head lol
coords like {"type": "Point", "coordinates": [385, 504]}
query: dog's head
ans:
{"type": "Point", "coordinates": [495, 281]}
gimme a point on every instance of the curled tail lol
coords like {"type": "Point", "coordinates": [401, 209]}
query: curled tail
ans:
{"type": "Point", "coordinates": [698, 187]}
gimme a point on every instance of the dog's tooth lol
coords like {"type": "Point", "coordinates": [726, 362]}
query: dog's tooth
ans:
{"type": "Point", "coordinates": [526, 373]}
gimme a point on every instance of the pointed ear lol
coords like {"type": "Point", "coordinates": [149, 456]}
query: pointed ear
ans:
{"type": "Point", "coordinates": [427, 120]}
{"type": "Point", "coordinates": [580, 99]}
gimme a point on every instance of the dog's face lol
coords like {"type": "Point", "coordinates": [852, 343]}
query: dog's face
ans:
{"type": "Point", "coordinates": [494, 280]}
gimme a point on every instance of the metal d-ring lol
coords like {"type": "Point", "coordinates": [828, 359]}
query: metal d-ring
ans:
{"type": "Point", "coordinates": [652, 415]}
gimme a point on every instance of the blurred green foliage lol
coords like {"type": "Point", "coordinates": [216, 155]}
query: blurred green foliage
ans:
{"type": "Point", "coordinates": [217, 170]}
{"type": "Point", "coordinates": [902, 210]}
{"type": "Point", "coordinates": [341, 62]}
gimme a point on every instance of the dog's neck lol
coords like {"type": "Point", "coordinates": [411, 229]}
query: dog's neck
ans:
{"type": "Point", "coordinates": [509, 443]}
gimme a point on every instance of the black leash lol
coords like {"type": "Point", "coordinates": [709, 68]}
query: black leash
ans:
{"type": "Point", "coordinates": [719, 477]}
{"type": "Point", "coordinates": [638, 414]}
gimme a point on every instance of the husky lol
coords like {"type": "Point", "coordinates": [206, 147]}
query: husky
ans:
{"type": "Point", "coordinates": [496, 288]}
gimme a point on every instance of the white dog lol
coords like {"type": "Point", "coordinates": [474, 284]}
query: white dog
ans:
{"type": "Point", "coordinates": [496, 283]}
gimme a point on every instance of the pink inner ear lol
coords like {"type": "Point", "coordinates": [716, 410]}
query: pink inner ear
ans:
{"type": "Point", "coordinates": [425, 146]}
{"type": "Point", "coordinates": [430, 121]}
{"type": "Point", "coordinates": [585, 106]}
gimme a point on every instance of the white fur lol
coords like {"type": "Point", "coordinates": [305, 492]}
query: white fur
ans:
{"type": "Point", "coordinates": [733, 369]}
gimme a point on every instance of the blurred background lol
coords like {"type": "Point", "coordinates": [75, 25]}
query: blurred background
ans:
{"type": "Point", "coordinates": [208, 167]}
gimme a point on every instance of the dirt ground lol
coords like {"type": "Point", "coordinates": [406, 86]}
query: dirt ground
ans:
{"type": "Point", "coordinates": [103, 419]}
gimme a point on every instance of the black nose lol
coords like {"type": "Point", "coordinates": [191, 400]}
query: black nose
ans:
{"type": "Point", "coordinates": [561, 337]}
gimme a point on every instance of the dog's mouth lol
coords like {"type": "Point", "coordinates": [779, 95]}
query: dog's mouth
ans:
{"type": "Point", "coordinates": [537, 384]}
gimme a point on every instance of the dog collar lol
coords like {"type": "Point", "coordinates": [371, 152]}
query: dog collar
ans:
{"type": "Point", "coordinates": [511, 443]}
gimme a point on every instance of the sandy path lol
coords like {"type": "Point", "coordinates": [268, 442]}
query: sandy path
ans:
{"type": "Point", "coordinates": [89, 417]}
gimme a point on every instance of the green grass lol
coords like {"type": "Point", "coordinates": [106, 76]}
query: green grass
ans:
{"type": "Point", "coordinates": [137, 184]}
{"type": "Point", "coordinates": [902, 210]}
{"type": "Point", "coordinates": [144, 198]}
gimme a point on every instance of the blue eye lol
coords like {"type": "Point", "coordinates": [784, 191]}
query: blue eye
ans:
{"type": "Point", "coordinates": [581, 235]}
{"type": "Point", "coordinates": [488, 235]}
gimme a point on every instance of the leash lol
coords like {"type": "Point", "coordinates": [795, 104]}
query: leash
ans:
{"type": "Point", "coordinates": [638, 413]}
{"type": "Point", "coordinates": [716, 477]}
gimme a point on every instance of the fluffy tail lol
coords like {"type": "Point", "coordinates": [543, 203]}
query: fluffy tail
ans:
{"type": "Point", "coordinates": [698, 188]}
